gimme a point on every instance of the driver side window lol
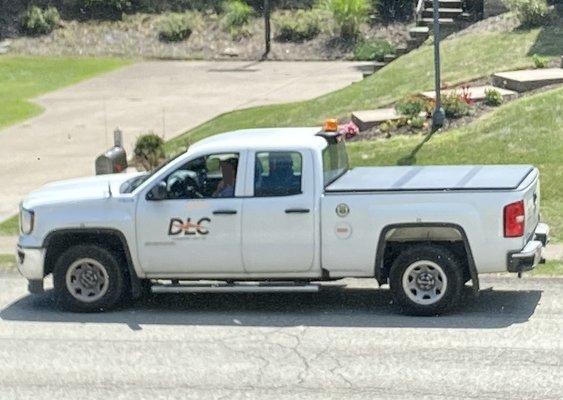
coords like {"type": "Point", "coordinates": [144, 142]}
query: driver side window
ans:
{"type": "Point", "coordinates": [211, 176]}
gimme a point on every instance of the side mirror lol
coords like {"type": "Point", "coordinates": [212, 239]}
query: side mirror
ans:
{"type": "Point", "coordinates": [158, 192]}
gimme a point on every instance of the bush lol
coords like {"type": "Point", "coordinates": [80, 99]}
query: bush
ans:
{"type": "Point", "coordinates": [103, 9]}
{"type": "Point", "coordinates": [530, 13]}
{"type": "Point", "coordinates": [349, 15]}
{"type": "Point", "coordinates": [493, 97]}
{"type": "Point", "coordinates": [296, 26]}
{"type": "Point", "coordinates": [455, 106]}
{"type": "Point", "coordinates": [175, 27]}
{"type": "Point", "coordinates": [149, 150]}
{"type": "Point", "coordinates": [236, 13]}
{"type": "Point", "coordinates": [540, 62]}
{"type": "Point", "coordinates": [417, 122]}
{"type": "Point", "coordinates": [412, 106]}
{"type": "Point", "coordinates": [395, 10]}
{"type": "Point", "coordinates": [36, 21]}
{"type": "Point", "coordinates": [372, 50]}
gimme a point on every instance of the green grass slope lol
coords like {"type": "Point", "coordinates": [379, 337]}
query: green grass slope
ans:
{"type": "Point", "coordinates": [464, 58]}
{"type": "Point", "coordinates": [22, 78]}
{"type": "Point", "coordinates": [525, 131]}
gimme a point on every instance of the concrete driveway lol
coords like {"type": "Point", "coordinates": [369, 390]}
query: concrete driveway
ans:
{"type": "Point", "coordinates": [341, 343]}
{"type": "Point", "coordinates": [166, 97]}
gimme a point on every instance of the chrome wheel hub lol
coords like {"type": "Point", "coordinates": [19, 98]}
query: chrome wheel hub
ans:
{"type": "Point", "coordinates": [425, 282]}
{"type": "Point", "coordinates": [87, 280]}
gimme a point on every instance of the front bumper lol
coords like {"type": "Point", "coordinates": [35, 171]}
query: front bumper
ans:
{"type": "Point", "coordinates": [531, 255]}
{"type": "Point", "coordinates": [31, 262]}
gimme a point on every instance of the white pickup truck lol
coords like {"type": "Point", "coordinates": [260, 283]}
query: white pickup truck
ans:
{"type": "Point", "coordinates": [280, 210]}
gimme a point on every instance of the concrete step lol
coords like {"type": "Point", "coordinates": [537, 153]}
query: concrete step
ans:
{"type": "Point", "coordinates": [444, 12]}
{"type": "Point", "coordinates": [367, 119]}
{"type": "Point", "coordinates": [465, 16]}
{"type": "Point", "coordinates": [430, 21]}
{"type": "Point", "coordinates": [444, 3]}
{"type": "Point", "coordinates": [370, 68]}
{"type": "Point", "coordinates": [414, 43]}
{"type": "Point", "coordinates": [529, 79]}
{"type": "Point", "coordinates": [387, 58]}
{"type": "Point", "coordinates": [421, 32]}
{"type": "Point", "coordinates": [476, 93]}
{"type": "Point", "coordinates": [399, 51]}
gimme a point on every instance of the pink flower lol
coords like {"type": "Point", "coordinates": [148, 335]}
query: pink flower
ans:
{"type": "Point", "coordinates": [349, 130]}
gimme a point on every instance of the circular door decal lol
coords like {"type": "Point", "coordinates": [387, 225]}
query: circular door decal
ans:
{"type": "Point", "coordinates": [342, 210]}
{"type": "Point", "coordinates": [343, 230]}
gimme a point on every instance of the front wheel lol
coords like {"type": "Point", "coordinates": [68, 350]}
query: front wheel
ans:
{"type": "Point", "coordinates": [426, 280]}
{"type": "Point", "coordinates": [88, 278]}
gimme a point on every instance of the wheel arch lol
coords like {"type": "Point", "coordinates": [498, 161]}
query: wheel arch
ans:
{"type": "Point", "coordinates": [381, 270]}
{"type": "Point", "coordinates": [112, 239]}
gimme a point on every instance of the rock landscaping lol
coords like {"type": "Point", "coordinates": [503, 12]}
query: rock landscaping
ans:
{"type": "Point", "coordinates": [137, 36]}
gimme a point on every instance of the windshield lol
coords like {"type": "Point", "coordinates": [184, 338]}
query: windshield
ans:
{"type": "Point", "coordinates": [131, 184]}
{"type": "Point", "coordinates": [335, 162]}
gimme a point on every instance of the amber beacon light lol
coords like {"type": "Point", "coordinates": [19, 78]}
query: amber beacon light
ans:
{"type": "Point", "coordinates": [330, 125]}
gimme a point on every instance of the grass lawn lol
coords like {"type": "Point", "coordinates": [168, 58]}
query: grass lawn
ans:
{"type": "Point", "coordinates": [10, 227]}
{"type": "Point", "coordinates": [550, 268]}
{"type": "Point", "coordinates": [7, 262]}
{"type": "Point", "coordinates": [464, 58]}
{"type": "Point", "coordinates": [527, 130]}
{"type": "Point", "coordinates": [22, 78]}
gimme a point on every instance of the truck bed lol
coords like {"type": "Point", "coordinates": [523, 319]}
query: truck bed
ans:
{"type": "Point", "coordinates": [433, 178]}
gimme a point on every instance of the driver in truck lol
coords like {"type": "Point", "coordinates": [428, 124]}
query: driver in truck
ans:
{"type": "Point", "coordinates": [226, 187]}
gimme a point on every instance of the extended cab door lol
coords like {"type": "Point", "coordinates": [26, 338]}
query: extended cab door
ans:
{"type": "Point", "coordinates": [196, 227]}
{"type": "Point", "coordinates": [278, 218]}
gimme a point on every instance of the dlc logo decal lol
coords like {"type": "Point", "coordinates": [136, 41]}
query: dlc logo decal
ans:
{"type": "Point", "coordinates": [178, 227]}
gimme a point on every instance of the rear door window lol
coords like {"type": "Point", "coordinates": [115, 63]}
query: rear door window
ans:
{"type": "Point", "coordinates": [277, 173]}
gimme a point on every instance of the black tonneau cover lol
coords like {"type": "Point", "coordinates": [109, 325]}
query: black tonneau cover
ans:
{"type": "Point", "coordinates": [458, 177]}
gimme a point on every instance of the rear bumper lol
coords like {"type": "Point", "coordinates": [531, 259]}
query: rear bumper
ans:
{"type": "Point", "coordinates": [531, 255]}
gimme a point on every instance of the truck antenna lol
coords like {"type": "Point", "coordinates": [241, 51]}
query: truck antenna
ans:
{"type": "Point", "coordinates": [109, 190]}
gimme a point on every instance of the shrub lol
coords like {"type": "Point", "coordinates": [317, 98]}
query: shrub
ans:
{"type": "Point", "coordinates": [455, 106]}
{"type": "Point", "coordinates": [412, 106]}
{"type": "Point", "coordinates": [540, 62]}
{"type": "Point", "coordinates": [493, 97]}
{"type": "Point", "coordinates": [372, 50]}
{"type": "Point", "coordinates": [395, 10]}
{"type": "Point", "coordinates": [417, 122]}
{"type": "Point", "coordinates": [530, 13]}
{"type": "Point", "coordinates": [103, 9]}
{"type": "Point", "coordinates": [175, 28]}
{"type": "Point", "coordinates": [149, 150]}
{"type": "Point", "coordinates": [296, 26]}
{"type": "Point", "coordinates": [349, 15]}
{"type": "Point", "coordinates": [36, 21]}
{"type": "Point", "coordinates": [236, 13]}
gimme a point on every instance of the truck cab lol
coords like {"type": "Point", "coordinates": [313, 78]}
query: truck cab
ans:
{"type": "Point", "coordinates": [278, 210]}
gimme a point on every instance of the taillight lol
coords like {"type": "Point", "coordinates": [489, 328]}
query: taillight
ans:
{"type": "Point", "coordinates": [514, 217]}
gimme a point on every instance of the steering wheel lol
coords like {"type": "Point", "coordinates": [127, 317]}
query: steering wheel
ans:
{"type": "Point", "coordinates": [183, 185]}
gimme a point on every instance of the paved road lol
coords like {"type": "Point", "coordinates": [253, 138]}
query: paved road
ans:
{"type": "Point", "coordinates": [341, 343]}
{"type": "Point", "coordinates": [166, 97]}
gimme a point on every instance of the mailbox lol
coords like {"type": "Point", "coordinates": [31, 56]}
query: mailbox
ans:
{"type": "Point", "coordinates": [112, 161]}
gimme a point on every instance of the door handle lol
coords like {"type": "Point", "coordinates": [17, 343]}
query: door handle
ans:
{"type": "Point", "coordinates": [224, 212]}
{"type": "Point", "coordinates": [297, 211]}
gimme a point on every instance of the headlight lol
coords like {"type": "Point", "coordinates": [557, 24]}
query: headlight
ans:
{"type": "Point", "coordinates": [27, 219]}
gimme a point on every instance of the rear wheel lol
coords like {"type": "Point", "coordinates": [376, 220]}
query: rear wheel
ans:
{"type": "Point", "coordinates": [426, 280]}
{"type": "Point", "coordinates": [88, 278]}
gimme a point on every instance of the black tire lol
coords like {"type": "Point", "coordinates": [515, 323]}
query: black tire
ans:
{"type": "Point", "coordinates": [114, 290]}
{"type": "Point", "coordinates": [443, 301]}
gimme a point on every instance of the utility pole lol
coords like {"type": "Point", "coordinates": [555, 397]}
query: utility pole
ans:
{"type": "Point", "coordinates": [439, 115]}
{"type": "Point", "coordinates": [266, 28]}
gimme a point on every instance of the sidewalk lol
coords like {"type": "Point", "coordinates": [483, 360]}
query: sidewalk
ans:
{"type": "Point", "coordinates": [8, 244]}
{"type": "Point", "coordinates": [166, 97]}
